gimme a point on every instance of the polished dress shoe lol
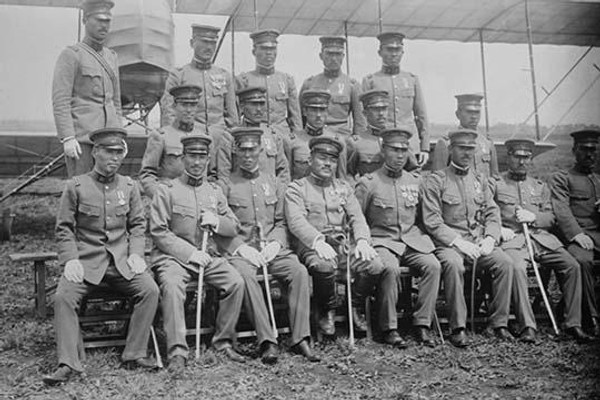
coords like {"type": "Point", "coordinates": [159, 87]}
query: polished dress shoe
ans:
{"type": "Point", "coordinates": [360, 323]}
{"type": "Point", "coordinates": [269, 353]}
{"type": "Point", "coordinates": [303, 348]}
{"type": "Point", "coordinates": [144, 363]}
{"type": "Point", "coordinates": [327, 323]}
{"type": "Point", "coordinates": [392, 337]}
{"type": "Point", "coordinates": [459, 338]}
{"type": "Point", "coordinates": [528, 335]}
{"type": "Point", "coordinates": [502, 333]}
{"type": "Point", "coordinates": [62, 374]}
{"type": "Point", "coordinates": [579, 335]}
{"type": "Point", "coordinates": [233, 355]}
{"type": "Point", "coordinates": [423, 337]}
{"type": "Point", "coordinates": [176, 366]}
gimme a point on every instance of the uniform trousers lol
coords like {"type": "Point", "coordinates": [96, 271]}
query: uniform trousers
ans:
{"type": "Point", "coordinates": [568, 275]}
{"type": "Point", "coordinates": [83, 164]}
{"type": "Point", "coordinates": [428, 269]}
{"type": "Point", "coordinates": [173, 278]}
{"type": "Point", "coordinates": [286, 268]}
{"type": "Point", "coordinates": [500, 268]}
{"type": "Point", "coordinates": [585, 258]}
{"type": "Point", "coordinates": [67, 303]}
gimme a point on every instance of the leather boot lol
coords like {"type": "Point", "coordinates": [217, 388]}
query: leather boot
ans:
{"type": "Point", "coordinates": [327, 323]}
{"type": "Point", "coordinates": [360, 323]}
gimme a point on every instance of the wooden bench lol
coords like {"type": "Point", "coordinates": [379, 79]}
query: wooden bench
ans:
{"type": "Point", "coordinates": [39, 277]}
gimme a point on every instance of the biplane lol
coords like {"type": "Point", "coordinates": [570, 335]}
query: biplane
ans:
{"type": "Point", "coordinates": [142, 35]}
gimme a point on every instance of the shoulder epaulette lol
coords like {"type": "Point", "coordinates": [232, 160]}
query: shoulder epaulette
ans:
{"type": "Point", "coordinates": [129, 180]}
{"type": "Point", "coordinates": [76, 181]}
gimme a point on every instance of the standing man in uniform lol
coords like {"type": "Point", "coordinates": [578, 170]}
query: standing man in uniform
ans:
{"type": "Point", "coordinates": [86, 95]}
{"type": "Point", "coordinates": [524, 200]}
{"type": "Point", "coordinates": [468, 112]}
{"type": "Point", "coordinates": [406, 98]}
{"type": "Point", "coordinates": [576, 202]}
{"type": "Point", "coordinates": [163, 158]}
{"type": "Point", "coordinates": [256, 198]}
{"type": "Point", "coordinates": [183, 211]}
{"type": "Point", "coordinates": [320, 211]}
{"type": "Point", "coordinates": [389, 198]}
{"type": "Point", "coordinates": [100, 231]}
{"type": "Point", "coordinates": [283, 111]}
{"type": "Point", "coordinates": [343, 89]}
{"type": "Point", "coordinates": [217, 109]}
{"type": "Point", "coordinates": [460, 215]}
{"type": "Point", "coordinates": [272, 159]}
{"type": "Point", "coordinates": [314, 106]}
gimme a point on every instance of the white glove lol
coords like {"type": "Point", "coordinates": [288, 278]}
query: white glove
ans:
{"type": "Point", "coordinates": [524, 216]}
{"type": "Point", "coordinates": [486, 246]}
{"type": "Point", "coordinates": [72, 148]}
{"type": "Point", "coordinates": [209, 219]}
{"type": "Point", "coordinates": [324, 250]}
{"type": "Point", "coordinates": [507, 234]}
{"type": "Point", "coordinates": [584, 241]}
{"type": "Point", "coordinates": [364, 251]}
{"type": "Point", "coordinates": [252, 255]}
{"type": "Point", "coordinates": [74, 271]}
{"type": "Point", "coordinates": [467, 248]}
{"type": "Point", "coordinates": [422, 158]}
{"type": "Point", "coordinates": [136, 263]}
{"type": "Point", "coordinates": [200, 258]}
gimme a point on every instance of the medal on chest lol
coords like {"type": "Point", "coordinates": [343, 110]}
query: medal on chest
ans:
{"type": "Point", "coordinates": [340, 88]}
{"type": "Point", "coordinates": [268, 191]}
{"type": "Point", "coordinates": [477, 186]}
{"type": "Point", "coordinates": [121, 198]}
{"type": "Point", "coordinates": [282, 87]}
{"type": "Point", "coordinates": [217, 81]}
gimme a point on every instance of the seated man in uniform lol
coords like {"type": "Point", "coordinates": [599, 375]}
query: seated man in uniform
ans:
{"type": "Point", "coordinates": [320, 210]}
{"type": "Point", "coordinates": [183, 210]}
{"type": "Point", "coordinates": [462, 218]}
{"type": "Point", "coordinates": [100, 230]}
{"type": "Point", "coordinates": [524, 200]}
{"type": "Point", "coordinates": [389, 198]}
{"type": "Point", "coordinates": [256, 198]}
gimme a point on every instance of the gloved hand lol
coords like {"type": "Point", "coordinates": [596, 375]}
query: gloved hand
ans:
{"type": "Point", "coordinates": [364, 251]}
{"type": "Point", "coordinates": [486, 246]}
{"type": "Point", "coordinates": [584, 241]}
{"type": "Point", "coordinates": [200, 258]}
{"type": "Point", "coordinates": [136, 263]}
{"type": "Point", "coordinates": [74, 271]}
{"type": "Point", "coordinates": [422, 158]}
{"type": "Point", "coordinates": [209, 220]}
{"type": "Point", "coordinates": [507, 234]}
{"type": "Point", "coordinates": [252, 255]}
{"type": "Point", "coordinates": [467, 248]}
{"type": "Point", "coordinates": [72, 148]}
{"type": "Point", "coordinates": [324, 250]}
{"type": "Point", "coordinates": [524, 216]}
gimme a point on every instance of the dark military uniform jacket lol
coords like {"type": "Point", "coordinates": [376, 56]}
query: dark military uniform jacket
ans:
{"type": "Point", "coordinates": [364, 153]}
{"type": "Point", "coordinates": [176, 215]}
{"type": "Point", "coordinates": [407, 105]}
{"type": "Point", "coordinates": [485, 160]}
{"type": "Point", "coordinates": [390, 203]}
{"type": "Point", "coordinates": [217, 107]}
{"type": "Point", "coordinates": [458, 204]}
{"type": "Point", "coordinates": [532, 195]}
{"type": "Point", "coordinates": [100, 221]}
{"type": "Point", "coordinates": [314, 207]}
{"type": "Point", "coordinates": [345, 92]}
{"type": "Point", "coordinates": [575, 197]}
{"type": "Point", "coordinates": [84, 97]}
{"type": "Point", "coordinates": [272, 159]}
{"type": "Point", "coordinates": [282, 97]}
{"type": "Point", "coordinates": [162, 158]}
{"type": "Point", "coordinates": [257, 200]}
{"type": "Point", "coordinates": [298, 155]}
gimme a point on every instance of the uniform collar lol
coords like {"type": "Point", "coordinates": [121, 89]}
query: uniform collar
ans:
{"type": "Point", "coordinates": [93, 44]}
{"type": "Point", "coordinates": [392, 173]}
{"type": "Point", "coordinates": [250, 174]}
{"type": "Point", "coordinates": [314, 131]}
{"type": "Point", "coordinates": [458, 170]}
{"type": "Point", "coordinates": [517, 176]}
{"type": "Point", "coordinates": [332, 73]}
{"type": "Point", "coordinates": [201, 64]}
{"type": "Point", "coordinates": [373, 130]}
{"type": "Point", "coordinates": [192, 180]}
{"type": "Point", "coordinates": [185, 126]}
{"type": "Point", "coordinates": [582, 170]}
{"type": "Point", "coordinates": [390, 69]}
{"type": "Point", "coordinates": [103, 178]}
{"type": "Point", "coordinates": [247, 122]}
{"type": "Point", "coordinates": [320, 181]}
{"type": "Point", "coordinates": [261, 69]}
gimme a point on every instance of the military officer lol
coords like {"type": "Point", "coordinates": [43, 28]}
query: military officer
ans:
{"type": "Point", "coordinates": [217, 109]}
{"type": "Point", "coordinates": [256, 198]}
{"type": "Point", "coordinates": [283, 110]}
{"type": "Point", "coordinates": [406, 98]}
{"type": "Point", "coordinates": [85, 89]}
{"type": "Point", "coordinates": [320, 210]}
{"type": "Point", "coordinates": [100, 231]}
{"type": "Point", "coordinates": [576, 199]}
{"type": "Point", "coordinates": [272, 157]}
{"type": "Point", "coordinates": [343, 89]}
{"type": "Point", "coordinates": [314, 106]}
{"type": "Point", "coordinates": [460, 215]}
{"type": "Point", "coordinates": [183, 210]}
{"type": "Point", "coordinates": [524, 200]}
{"type": "Point", "coordinates": [163, 156]}
{"type": "Point", "coordinates": [389, 198]}
{"type": "Point", "coordinates": [468, 112]}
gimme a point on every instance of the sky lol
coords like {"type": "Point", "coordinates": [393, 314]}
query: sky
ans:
{"type": "Point", "coordinates": [31, 39]}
